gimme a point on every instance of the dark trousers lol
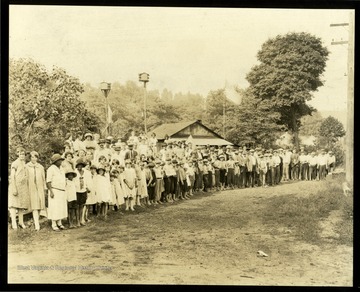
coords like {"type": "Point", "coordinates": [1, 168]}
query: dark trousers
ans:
{"type": "Point", "coordinates": [250, 178]}
{"type": "Point", "coordinates": [304, 170]}
{"type": "Point", "coordinates": [222, 176]}
{"type": "Point", "coordinates": [205, 182]}
{"type": "Point", "coordinates": [295, 171]}
{"type": "Point", "coordinates": [230, 177]}
{"type": "Point", "coordinates": [242, 176]}
{"type": "Point", "coordinates": [277, 174]}
{"type": "Point", "coordinates": [210, 179]}
{"type": "Point", "coordinates": [217, 178]}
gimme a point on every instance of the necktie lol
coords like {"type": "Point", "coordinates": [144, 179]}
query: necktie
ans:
{"type": "Point", "coordinates": [81, 183]}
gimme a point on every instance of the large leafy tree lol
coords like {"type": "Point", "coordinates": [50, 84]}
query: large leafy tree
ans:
{"type": "Point", "coordinates": [290, 69]}
{"type": "Point", "coordinates": [44, 106]}
{"type": "Point", "coordinates": [331, 129]}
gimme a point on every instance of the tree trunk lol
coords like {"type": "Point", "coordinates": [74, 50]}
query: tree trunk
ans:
{"type": "Point", "coordinates": [295, 131]}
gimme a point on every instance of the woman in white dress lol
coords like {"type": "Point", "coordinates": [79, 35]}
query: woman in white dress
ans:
{"type": "Point", "coordinates": [57, 201]}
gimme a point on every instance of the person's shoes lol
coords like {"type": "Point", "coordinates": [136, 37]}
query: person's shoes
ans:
{"type": "Point", "coordinates": [55, 228]}
{"type": "Point", "coordinates": [62, 227]}
{"type": "Point", "coordinates": [22, 226]}
{"type": "Point", "coordinates": [82, 223]}
{"type": "Point", "coordinates": [132, 209]}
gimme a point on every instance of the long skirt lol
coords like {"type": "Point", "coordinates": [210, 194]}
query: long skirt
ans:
{"type": "Point", "coordinates": [57, 205]}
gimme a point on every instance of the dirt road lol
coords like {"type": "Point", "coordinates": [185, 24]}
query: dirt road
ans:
{"type": "Point", "coordinates": [210, 239]}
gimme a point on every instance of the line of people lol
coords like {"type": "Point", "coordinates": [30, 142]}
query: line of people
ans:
{"type": "Point", "coordinates": [110, 175]}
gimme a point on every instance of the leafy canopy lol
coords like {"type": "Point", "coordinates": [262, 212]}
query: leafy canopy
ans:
{"type": "Point", "coordinates": [290, 69]}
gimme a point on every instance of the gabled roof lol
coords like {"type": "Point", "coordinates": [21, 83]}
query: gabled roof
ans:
{"type": "Point", "coordinates": [173, 128]}
{"type": "Point", "coordinates": [170, 129]}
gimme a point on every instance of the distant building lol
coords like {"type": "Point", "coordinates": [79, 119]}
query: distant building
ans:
{"type": "Point", "coordinates": [192, 131]}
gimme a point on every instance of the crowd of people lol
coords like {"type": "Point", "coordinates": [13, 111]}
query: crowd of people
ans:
{"type": "Point", "coordinates": [93, 176]}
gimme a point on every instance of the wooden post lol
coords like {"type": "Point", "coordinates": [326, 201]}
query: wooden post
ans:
{"type": "Point", "coordinates": [350, 106]}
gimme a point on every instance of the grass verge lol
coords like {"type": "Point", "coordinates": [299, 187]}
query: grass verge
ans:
{"type": "Point", "coordinates": [303, 214]}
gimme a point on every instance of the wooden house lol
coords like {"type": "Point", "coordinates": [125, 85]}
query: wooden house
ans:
{"type": "Point", "coordinates": [192, 131]}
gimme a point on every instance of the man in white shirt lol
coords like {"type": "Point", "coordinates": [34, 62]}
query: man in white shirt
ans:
{"type": "Point", "coordinates": [286, 164]}
{"type": "Point", "coordinates": [276, 167]}
{"type": "Point", "coordinates": [312, 166]}
{"type": "Point", "coordinates": [322, 164]}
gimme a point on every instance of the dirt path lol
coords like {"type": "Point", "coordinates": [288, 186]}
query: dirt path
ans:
{"type": "Point", "coordinates": [210, 239]}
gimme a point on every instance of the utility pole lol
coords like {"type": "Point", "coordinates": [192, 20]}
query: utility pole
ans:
{"type": "Point", "coordinates": [224, 116]}
{"type": "Point", "coordinates": [144, 77]}
{"type": "Point", "coordinates": [349, 163]}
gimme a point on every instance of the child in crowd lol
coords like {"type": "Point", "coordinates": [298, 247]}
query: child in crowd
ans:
{"type": "Point", "coordinates": [130, 181]}
{"type": "Point", "coordinates": [103, 193]}
{"type": "Point", "coordinates": [70, 190]}
{"type": "Point", "coordinates": [91, 200]}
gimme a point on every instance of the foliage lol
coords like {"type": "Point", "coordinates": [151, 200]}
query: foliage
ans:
{"type": "Point", "coordinates": [331, 129]}
{"type": "Point", "coordinates": [310, 124]}
{"type": "Point", "coordinates": [127, 105]}
{"type": "Point", "coordinates": [290, 69]}
{"type": "Point", "coordinates": [255, 123]}
{"type": "Point", "coordinates": [44, 106]}
{"type": "Point", "coordinates": [216, 101]}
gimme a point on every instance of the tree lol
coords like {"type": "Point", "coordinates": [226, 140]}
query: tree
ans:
{"type": "Point", "coordinates": [254, 123]}
{"type": "Point", "coordinates": [44, 106]}
{"type": "Point", "coordinates": [331, 129]}
{"type": "Point", "coordinates": [310, 124]}
{"type": "Point", "coordinates": [289, 71]}
{"type": "Point", "coordinates": [216, 101]}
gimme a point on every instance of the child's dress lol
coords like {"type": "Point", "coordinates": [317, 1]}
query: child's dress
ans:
{"type": "Point", "coordinates": [142, 186]}
{"type": "Point", "coordinates": [103, 189]}
{"type": "Point", "coordinates": [70, 190]}
{"type": "Point", "coordinates": [91, 196]}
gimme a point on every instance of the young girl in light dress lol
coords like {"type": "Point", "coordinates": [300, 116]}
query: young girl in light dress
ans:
{"type": "Point", "coordinates": [103, 190]}
{"type": "Point", "coordinates": [91, 197]}
{"type": "Point", "coordinates": [120, 178]}
{"type": "Point", "coordinates": [130, 182]}
{"type": "Point", "coordinates": [142, 193]}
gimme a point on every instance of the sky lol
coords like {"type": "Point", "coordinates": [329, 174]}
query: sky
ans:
{"type": "Point", "coordinates": [183, 49]}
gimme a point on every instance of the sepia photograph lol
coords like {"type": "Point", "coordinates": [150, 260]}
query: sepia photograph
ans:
{"type": "Point", "coordinates": [180, 146]}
